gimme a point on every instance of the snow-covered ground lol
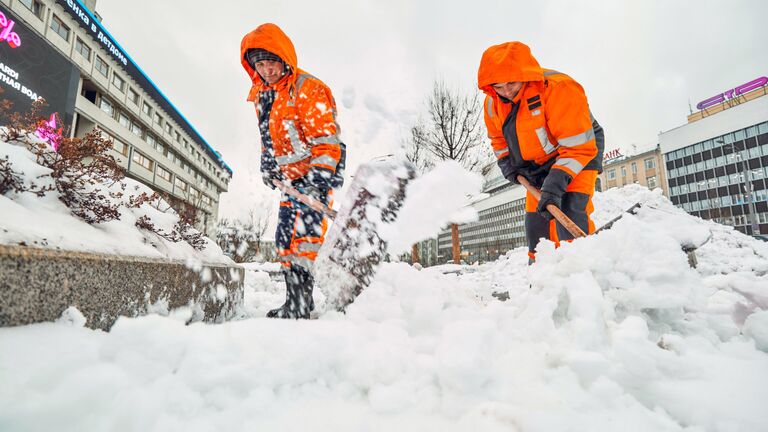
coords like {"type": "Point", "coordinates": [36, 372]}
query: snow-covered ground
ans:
{"type": "Point", "coordinates": [612, 332]}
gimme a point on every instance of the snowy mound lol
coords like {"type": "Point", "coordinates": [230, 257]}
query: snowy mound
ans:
{"type": "Point", "coordinates": [44, 221]}
{"type": "Point", "coordinates": [612, 332]}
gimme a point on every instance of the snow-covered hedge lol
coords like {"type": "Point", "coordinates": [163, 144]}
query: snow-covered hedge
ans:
{"type": "Point", "coordinates": [77, 198]}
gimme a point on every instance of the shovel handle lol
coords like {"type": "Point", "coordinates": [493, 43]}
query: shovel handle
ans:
{"type": "Point", "coordinates": [564, 220]}
{"type": "Point", "coordinates": [305, 199]}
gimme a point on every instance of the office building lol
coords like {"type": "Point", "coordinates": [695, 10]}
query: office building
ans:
{"type": "Point", "coordinates": [501, 224]}
{"type": "Point", "coordinates": [60, 51]}
{"type": "Point", "coordinates": [717, 163]}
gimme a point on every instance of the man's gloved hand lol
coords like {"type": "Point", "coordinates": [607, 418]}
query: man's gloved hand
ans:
{"type": "Point", "coordinates": [268, 176]}
{"type": "Point", "coordinates": [318, 183]}
{"type": "Point", "coordinates": [552, 191]}
{"type": "Point", "coordinates": [535, 174]}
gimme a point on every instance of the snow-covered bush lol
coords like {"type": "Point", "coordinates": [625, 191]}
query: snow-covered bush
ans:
{"type": "Point", "coordinates": [82, 175]}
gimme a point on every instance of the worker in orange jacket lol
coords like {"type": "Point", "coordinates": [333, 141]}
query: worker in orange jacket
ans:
{"type": "Point", "coordinates": [300, 147]}
{"type": "Point", "coordinates": [541, 127]}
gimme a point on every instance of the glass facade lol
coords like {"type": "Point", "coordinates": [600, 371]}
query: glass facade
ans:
{"type": "Point", "coordinates": [498, 230]}
{"type": "Point", "coordinates": [724, 178]}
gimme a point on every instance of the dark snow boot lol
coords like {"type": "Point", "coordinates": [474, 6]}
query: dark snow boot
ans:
{"type": "Point", "coordinates": [298, 295]}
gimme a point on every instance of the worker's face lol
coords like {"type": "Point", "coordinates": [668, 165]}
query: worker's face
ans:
{"type": "Point", "coordinates": [270, 70]}
{"type": "Point", "coordinates": [508, 90]}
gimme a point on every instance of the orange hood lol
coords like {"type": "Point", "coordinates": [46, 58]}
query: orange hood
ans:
{"type": "Point", "coordinates": [269, 37]}
{"type": "Point", "coordinates": [507, 62]}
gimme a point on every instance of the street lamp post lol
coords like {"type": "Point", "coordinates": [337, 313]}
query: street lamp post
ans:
{"type": "Point", "coordinates": [747, 187]}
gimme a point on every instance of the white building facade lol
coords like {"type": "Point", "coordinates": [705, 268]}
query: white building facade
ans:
{"type": "Point", "coordinates": [717, 163]}
{"type": "Point", "coordinates": [69, 58]}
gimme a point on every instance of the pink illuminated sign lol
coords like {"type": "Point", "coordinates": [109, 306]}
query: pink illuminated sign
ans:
{"type": "Point", "coordinates": [48, 132]}
{"type": "Point", "coordinates": [6, 34]}
{"type": "Point", "coordinates": [732, 93]}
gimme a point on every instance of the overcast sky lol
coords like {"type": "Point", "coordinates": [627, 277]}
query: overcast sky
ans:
{"type": "Point", "coordinates": [640, 62]}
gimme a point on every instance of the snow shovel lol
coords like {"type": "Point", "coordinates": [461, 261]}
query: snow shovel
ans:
{"type": "Point", "coordinates": [564, 220]}
{"type": "Point", "coordinates": [353, 250]}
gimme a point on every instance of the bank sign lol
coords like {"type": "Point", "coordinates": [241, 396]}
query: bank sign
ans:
{"type": "Point", "coordinates": [32, 69]}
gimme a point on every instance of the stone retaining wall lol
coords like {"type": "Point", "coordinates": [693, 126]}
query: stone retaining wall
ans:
{"type": "Point", "coordinates": [37, 285]}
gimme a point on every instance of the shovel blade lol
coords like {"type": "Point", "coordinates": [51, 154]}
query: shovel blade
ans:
{"type": "Point", "coordinates": [353, 249]}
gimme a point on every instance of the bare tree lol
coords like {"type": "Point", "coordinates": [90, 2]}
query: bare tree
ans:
{"type": "Point", "coordinates": [453, 131]}
{"type": "Point", "coordinates": [242, 239]}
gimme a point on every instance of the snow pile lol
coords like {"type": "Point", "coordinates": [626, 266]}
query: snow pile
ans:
{"type": "Point", "coordinates": [611, 332]}
{"type": "Point", "coordinates": [435, 199]}
{"type": "Point", "coordinates": [31, 220]}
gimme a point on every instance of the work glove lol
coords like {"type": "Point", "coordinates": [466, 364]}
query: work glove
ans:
{"type": "Point", "coordinates": [269, 169]}
{"type": "Point", "coordinates": [268, 176]}
{"type": "Point", "coordinates": [318, 183]}
{"type": "Point", "coordinates": [535, 174]}
{"type": "Point", "coordinates": [552, 191]}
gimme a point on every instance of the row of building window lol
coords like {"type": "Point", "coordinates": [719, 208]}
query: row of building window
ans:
{"type": "Point", "coordinates": [741, 220]}
{"type": "Point", "coordinates": [650, 163]}
{"type": "Point", "coordinates": [717, 142]}
{"type": "Point", "coordinates": [119, 83]}
{"type": "Point", "coordinates": [137, 129]}
{"type": "Point", "coordinates": [163, 173]}
{"type": "Point", "coordinates": [718, 161]}
{"type": "Point", "coordinates": [724, 180]}
{"type": "Point", "coordinates": [725, 201]}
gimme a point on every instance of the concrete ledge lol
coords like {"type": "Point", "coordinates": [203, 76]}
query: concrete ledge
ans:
{"type": "Point", "coordinates": [37, 285]}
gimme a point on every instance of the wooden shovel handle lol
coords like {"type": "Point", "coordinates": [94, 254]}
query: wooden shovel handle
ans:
{"type": "Point", "coordinates": [305, 199]}
{"type": "Point", "coordinates": [564, 220]}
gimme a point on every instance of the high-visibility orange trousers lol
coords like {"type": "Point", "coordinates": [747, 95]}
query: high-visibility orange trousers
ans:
{"type": "Point", "coordinates": [576, 204]}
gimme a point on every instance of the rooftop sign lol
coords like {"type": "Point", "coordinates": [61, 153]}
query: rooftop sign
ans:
{"type": "Point", "coordinates": [732, 93]}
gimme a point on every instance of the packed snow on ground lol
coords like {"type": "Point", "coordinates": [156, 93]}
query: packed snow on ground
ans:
{"type": "Point", "coordinates": [26, 219]}
{"type": "Point", "coordinates": [611, 332]}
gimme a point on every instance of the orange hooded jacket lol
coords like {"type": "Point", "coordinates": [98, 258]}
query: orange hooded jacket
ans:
{"type": "Point", "coordinates": [302, 121]}
{"type": "Point", "coordinates": [552, 120]}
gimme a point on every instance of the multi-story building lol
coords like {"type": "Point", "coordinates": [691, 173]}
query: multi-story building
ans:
{"type": "Point", "coordinates": [717, 163]}
{"type": "Point", "coordinates": [645, 168]}
{"type": "Point", "coordinates": [501, 224]}
{"type": "Point", "coordinates": [59, 50]}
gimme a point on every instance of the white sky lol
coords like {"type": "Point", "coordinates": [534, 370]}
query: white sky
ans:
{"type": "Point", "coordinates": [639, 62]}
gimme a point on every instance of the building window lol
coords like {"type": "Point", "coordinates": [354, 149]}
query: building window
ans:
{"type": "Point", "coordinates": [101, 66]}
{"type": "Point", "coordinates": [35, 6]}
{"type": "Point", "coordinates": [158, 119]}
{"type": "Point", "coordinates": [107, 106]}
{"type": "Point", "coordinates": [151, 140]}
{"type": "Point", "coordinates": [118, 82]}
{"type": "Point", "coordinates": [125, 120]}
{"type": "Point", "coordinates": [634, 167]}
{"type": "Point", "coordinates": [83, 49]}
{"type": "Point", "coordinates": [119, 147]}
{"type": "Point", "coordinates": [146, 109]}
{"type": "Point", "coordinates": [650, 163]}
{"type": "Point", "coordinates": [133, 96]}
{"type": "Point", "coordinates": [623, 171]}
{"type": "Point", "coordinates": [178, 138]}
{"type": "Point", "coordinates": [60, 28]}
{"type": "Point", "coordinates": [142, 160]}
{"type": "Point", "coordinates": [207, 201]}
{"type": "Point", "coordinates": [612, 174]}
{"type": "Point", "coordinates": [168, 128]}
{"type": "Point", "coordinates": [136, 128]}
{"type": "Point", "coordinates": [163, 173]}
{"type": "Point", "coordinates": [651, 182]}
{"type": "Point", "coordinates": [180, 184]}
